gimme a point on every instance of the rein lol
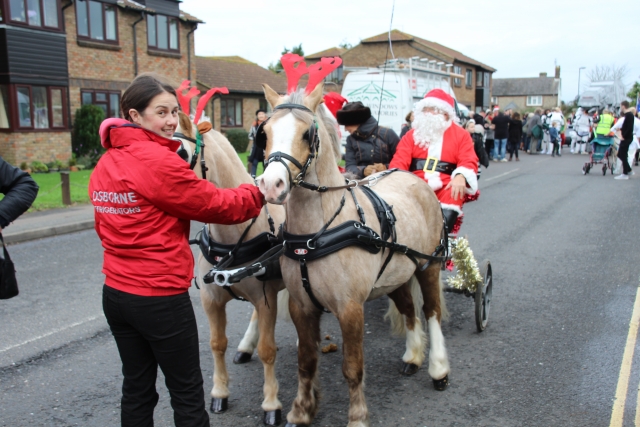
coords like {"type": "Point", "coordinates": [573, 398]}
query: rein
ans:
{"type": "Point", "coordinates": [198, 151]}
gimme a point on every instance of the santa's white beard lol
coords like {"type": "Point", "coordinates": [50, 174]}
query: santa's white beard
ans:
{"type": "Point", "coordinates": [428, 128]}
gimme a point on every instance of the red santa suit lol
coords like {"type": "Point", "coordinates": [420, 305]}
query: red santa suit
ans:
{"type": "Point", "coordinates": [454, 147]}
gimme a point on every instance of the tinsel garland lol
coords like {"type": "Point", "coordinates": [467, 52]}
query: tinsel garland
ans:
{"type": "Point", "coordinates": [468, 275]}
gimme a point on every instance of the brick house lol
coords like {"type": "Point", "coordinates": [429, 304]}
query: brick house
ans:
{"type": "Point", "coordinates": [244, 80]}
{"type": "Point", "coordinates": [528, 93]}
{"type": "Point", "coordinates": [473, 88]}
{"type": "Point", "coordinates": [91, 51]}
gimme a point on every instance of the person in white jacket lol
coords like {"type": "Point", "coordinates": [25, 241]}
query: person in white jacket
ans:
{"type": "Point", "coordinates": [635, 145]}
{"type": "Point", "coordinates": [582, 127]}
{"type": "Point", "coordinates": [556, 116]}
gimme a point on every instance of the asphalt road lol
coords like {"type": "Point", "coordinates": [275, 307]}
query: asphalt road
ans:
{"type": "Point", "coordinates": [564, 249]}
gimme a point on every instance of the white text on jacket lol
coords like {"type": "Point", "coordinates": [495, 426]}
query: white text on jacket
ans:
{"type": "Point", "coordinates": [110, 196]}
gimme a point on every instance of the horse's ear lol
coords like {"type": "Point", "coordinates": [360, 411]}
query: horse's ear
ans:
{"type": "Point", "coordinates": [185, 124]}
{"type": "Point", "coordinates": [314, 99]}
{"type": "Point", "coordinates": [272, 96]}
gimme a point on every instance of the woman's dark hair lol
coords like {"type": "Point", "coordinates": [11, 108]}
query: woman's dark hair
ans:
{"type": "Point", "coordinates": [407, 118]}
{"type": "Point", "coordinates": [516, 116]}
{"type": "Point", "coordinates": [141, 91]}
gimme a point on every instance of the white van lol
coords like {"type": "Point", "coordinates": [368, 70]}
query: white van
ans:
{"type": "Point", "coordinates": [392, 91]}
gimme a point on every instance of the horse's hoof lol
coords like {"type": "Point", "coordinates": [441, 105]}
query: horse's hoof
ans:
{"type": "Point", "coordinates": [219, 405]}
{"type": "Point", "coordinates": [241, 357]}
{"type": "Point", "coordinates": [295, 425]}
{"type": "Point", "coordinates": [273, 418]}
{"type": "Point", "coordinates": [442, 384]}
{"type": "Point", "coordinates": [409, 368]}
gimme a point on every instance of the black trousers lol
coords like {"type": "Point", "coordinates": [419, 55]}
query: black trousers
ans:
{"type": "Point", "coordinates": [488, 146]}
{"type": "Point", "coordinates": [152, 332]}
{"type": "Point", "coordinates": [623, 155]}
{"type": "Point", "coordinates": [512, 147]}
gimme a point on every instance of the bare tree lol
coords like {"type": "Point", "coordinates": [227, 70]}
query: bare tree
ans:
{"type": "Point", "coordinates": [608, 73]}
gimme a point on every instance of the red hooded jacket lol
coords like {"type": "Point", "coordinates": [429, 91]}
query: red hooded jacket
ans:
{"type": "Point", "coordinates": [144, 197]}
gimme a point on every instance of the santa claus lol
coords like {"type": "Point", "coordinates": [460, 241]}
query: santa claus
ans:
{"type": "Point", "coordinates": [439, 151]}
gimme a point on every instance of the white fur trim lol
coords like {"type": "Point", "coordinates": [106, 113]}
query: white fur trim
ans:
{"type": "Point", "coordinates": [437, 103]}
{"type": "Point", "coordinates": [452, 207]}
{"type": "Point", "coordinates": [470, 176]}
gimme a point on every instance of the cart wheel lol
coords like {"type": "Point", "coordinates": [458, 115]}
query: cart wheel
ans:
{"type": "Point", "coordinates": [604, 170]}
{"type": "Point", "coordinates": [484, 291]}
{"type": "Point", "coordinates": [588, 168]}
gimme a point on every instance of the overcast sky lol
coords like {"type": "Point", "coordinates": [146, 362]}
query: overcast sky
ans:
{"type": "Point", "coordinates": [519, 39]}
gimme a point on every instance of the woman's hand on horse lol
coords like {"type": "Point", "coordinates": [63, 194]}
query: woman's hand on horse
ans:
{"type": "Point", "coordinates": [369, 170]}
{"type": "Point", "coordinates": [458, 185]}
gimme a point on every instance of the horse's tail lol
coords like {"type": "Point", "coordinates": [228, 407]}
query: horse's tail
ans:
{"type": "Point", "coordinates": [444, 311]}
{"type": "Point", "coordinates": [396, 319]}
{"type": "Point", "coordinates": [283, 305]}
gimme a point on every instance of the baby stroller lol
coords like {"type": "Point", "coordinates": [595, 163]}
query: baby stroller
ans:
{"type": "Point", "coordinates": [602, 153]}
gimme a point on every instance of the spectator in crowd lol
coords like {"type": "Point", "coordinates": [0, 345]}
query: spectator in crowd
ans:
{"type": "Point", "coordinates": [556, 116]}
{"type": "Point", "coordinates": [554, 138]}
{"type": "Point", "coordinates": [582, 127]}
{"type": "Point", "coordinates": [534, 135]}
{"type": "Point", "coordinates": [479, 118]}
{"type": "Point", "coordinates": [546, 123]}
{"type": "Point", "coordinates": [406, 126]}
{"type": "Point", "coordinates": [500, 126]}
{"type": "Point", "coordinates": [605, 122]}
{"type": "Point", "coordinates": [370, 147]}
{"type": "Point", "coordinates": [19, 189]}
{"type": "Point", "coordinates": [478, 145]}
{"type": "Point", "coordinates": [515, 135]}
{"type": "Point", "coordinates": [626, 136]}
{"type": "Point", "coordinates": [635, 141]}
{"type": "Point", "coordinates": [257, 154]}
{"type": "Point", "coordinates": [489, 134]}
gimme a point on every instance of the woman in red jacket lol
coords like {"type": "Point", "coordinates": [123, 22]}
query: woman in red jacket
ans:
{"type": "Point", "coordinates": [144, 196]}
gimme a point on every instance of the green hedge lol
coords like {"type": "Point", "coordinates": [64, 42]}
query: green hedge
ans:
{"type": "Point", "coordinates": [239, 139]}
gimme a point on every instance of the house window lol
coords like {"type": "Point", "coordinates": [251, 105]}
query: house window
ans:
{"type": "Point", "coordinates": [162, 32]}
{"type": "Point", "coordinates": [39, 107]}
{"type": "Point", "coordinates": [487, 80]}
{"type": "Point", "coordinates": [534, 101]}
{"type": "Point", "coordinates": [231, 112]}
{"type": "Point", "coordinates": [457, 81]}
{"type": "Point", "coordinates": [494, 100]}
{"type": "Point", "coordinates": [96, 20]}
{"type": "Point", "coordinates": [264, 105]}
{"type": "Point", "coordinates": [4, 107]}
{"type": "Point", "coordinates": [479, 79]}
{"type": "Point", "coordinates": [108, 101]}
{"type": "Point", "coordinates": [468, 78]}
{"type": "Point", "coordinates": [35, 13]}
{"type": "Point", "coordinates": [336, 75]}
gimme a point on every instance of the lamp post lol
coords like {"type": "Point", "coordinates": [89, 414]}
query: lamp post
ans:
{"type": "Point", "coordinates": [579, 72]}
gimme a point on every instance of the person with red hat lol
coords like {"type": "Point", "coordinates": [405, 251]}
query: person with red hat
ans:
{"type": "Point", "coordinates": [439, 151]}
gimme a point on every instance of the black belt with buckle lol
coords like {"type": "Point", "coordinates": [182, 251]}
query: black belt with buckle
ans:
{"type": "Point", "coordinates": [431, 164]}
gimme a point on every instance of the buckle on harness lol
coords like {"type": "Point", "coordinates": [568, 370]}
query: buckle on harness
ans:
{"type": "Point", "coordinates": [430, 165]}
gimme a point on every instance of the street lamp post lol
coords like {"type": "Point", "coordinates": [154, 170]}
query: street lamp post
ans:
{"type": "Point", "coordinates": [579, 72]}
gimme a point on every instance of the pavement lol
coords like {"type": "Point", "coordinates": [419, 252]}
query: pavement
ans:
{"type": "Point", "coordinates": [52, 222]}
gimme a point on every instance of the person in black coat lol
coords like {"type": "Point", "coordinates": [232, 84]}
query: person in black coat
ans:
{"type": "Point", "coordinates": [370, 147]}
{"type": "Point", "coordinates": [515, 136]}
{"type": "Point", "coordinates": [19, 189]}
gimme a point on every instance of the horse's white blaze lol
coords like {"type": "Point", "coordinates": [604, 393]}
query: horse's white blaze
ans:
{"type": "Point", "coordinates": [438, 361]}
{"type": "Point", "coordinates": [250, 339]}
{"type": "Point", "coordinates": [416, 343]}
{"type": "Point", "coordinates": [275, 180]}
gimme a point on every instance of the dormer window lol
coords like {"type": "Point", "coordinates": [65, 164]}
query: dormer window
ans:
{"type": "Point", "coordinates": [162, 33]}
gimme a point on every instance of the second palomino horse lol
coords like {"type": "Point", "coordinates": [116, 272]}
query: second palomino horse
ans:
{"type": "Point", "coordinates": [301, 174]}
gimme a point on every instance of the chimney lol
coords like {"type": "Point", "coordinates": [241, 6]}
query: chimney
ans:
{"type": "Point", "coordinates": [557, 71]}
{"type": "Point", "coordinates": [543, 74]}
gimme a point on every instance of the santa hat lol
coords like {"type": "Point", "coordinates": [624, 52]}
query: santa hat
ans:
{"type": "Point", "coordinates": [439, 99]}
{"type": "Point", "coordinates": [353, 113]}
{"type": "Point", "coordinates": [334, 101]}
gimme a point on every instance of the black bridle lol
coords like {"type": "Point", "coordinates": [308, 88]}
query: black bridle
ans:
{"type": "Point", "coordinates": [198, 151]}
{"type": "Point", "coordinates": [311, 136]}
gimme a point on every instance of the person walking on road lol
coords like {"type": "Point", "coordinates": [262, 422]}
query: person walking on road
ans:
{"type": "Point", "coordinates": [625, 130]}
{"type": "Point", "coordinates": [515, 135]}
{"type": "Point", "coordinates": [500, 126]}
{"type": "Point", "coordinates": [144, 196]}
{"type": "Point", "coordinates": [534, 131]}
{"type": "Point", "coordinates": [489, 135]}
{"type": "Point", "coordinates": [19, 189]}
{"type": "Point", "coordinates": [582, 127]}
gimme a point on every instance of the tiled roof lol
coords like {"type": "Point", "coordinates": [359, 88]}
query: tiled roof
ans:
{"type": "Point", "coordinates": [189, 18]}
{"type": "Point", "coordinates": [130, 4]}
{"type": "Point", "coordinates": [333, 51]}
{"type": "Point", "coordinates": [237, 74]}
{"type": "Point", "coordinates": [397, 36]}
{"type": "Point", "coordinates": [525, 86]}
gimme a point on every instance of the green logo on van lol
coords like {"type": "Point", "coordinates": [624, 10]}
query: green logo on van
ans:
{"type": "Point", "coordinates": [370, 91]}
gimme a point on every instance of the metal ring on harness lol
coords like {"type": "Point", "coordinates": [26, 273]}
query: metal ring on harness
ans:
{"type": "Point", "coordinates": [309, 244]}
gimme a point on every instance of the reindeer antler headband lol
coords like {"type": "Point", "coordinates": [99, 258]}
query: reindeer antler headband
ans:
{"type": "Point", "coordinates": [317, 72]}
{"type": "Point", "coordinates": [185, 102]}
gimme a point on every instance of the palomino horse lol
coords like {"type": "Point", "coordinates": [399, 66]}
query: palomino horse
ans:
{"type": "Point", "coordinates": [342, 281]}
{"type": "Point", "coordinates": [225, 169]}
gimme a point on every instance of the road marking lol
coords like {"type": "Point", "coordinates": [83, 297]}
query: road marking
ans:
{"type": "Point", "coordinates": [55, 331]}
{"type": "Point", "coordinates": [501, 175]}
{"type": "Point", "coordinates": [617, 414]}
